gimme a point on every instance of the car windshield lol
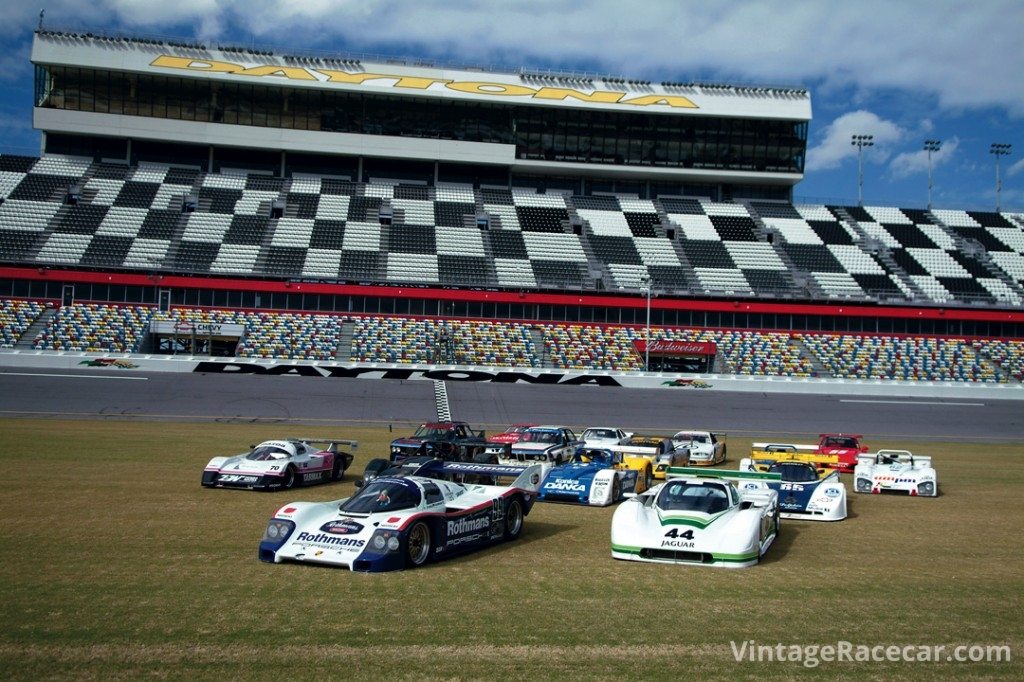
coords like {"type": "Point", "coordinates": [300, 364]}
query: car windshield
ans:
{"type": "Point", "coordinates": [383, 495]}
{"type": "Point", "coordinates": [794, 472]}
{"type": "Point", "coordinates": [692, 437]}
{"type": "Point", "coordinates": [263, 453]}
{"type": "Point", "coordinates": [430, 433]}
{"type": "Point", "coordinates": [838, 442]}
{"type": "Point", "coordinates": [598, 433]}
{"type": "Point", "coordinates": [540, 436]}
{"type": "Point", "coordinates": [602, 457]}
{"type": "Point", "coordinates": [707, 498]}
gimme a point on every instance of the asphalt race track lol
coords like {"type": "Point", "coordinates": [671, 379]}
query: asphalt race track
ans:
{"type": "Point", "coordinates": [26, 392]}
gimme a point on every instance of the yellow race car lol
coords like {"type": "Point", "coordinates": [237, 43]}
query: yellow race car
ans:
{"type": "Point", "coordinates": [657, 451]}
{"type": "Point", "coordinates": [764, 455]}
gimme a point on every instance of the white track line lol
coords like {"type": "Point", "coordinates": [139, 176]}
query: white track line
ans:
{"type": "Point", "coordinates": [73, 376]}
{"type": "Point", "coordinates": [912, 402]}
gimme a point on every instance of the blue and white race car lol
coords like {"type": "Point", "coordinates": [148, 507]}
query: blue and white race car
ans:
{"type": "Point", "coordinates": [393, 523]}
{"type": "Point", "coordinates": [802, 494]}
{"type": "Point", "coordinates": [595, 477]}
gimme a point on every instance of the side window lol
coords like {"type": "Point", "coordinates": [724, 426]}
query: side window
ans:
{"type": "Point", "coordinates": [433, 493]}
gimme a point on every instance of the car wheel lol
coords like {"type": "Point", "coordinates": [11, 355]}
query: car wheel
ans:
{"type": "Point", "coordinates": [289, 478]}
{"type": "Point", "coordinates": [513, 519]}
{"type": "Point", "coordinates": [616, 489]}
{"type": "Point", "coordinates": [418, 544]}
{"type": "Point", "coordinates": [648, 478]}
{"type": "Point", "coordinates": [337, 472]}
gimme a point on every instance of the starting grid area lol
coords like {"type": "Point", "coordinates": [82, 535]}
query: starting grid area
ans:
{"type": "Point", "coordinates": [121, 363]}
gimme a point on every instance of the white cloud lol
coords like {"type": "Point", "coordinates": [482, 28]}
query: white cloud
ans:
{"type": "Point", "coordinates": [1015, 168]}
{"type": "Point", "coordinates": [837, 143]}
{"type": "Point", "coordinates": [911, 163]}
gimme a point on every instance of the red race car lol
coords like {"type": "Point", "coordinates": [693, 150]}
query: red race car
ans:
{"type": "Point", "coordinates": [845, 446]}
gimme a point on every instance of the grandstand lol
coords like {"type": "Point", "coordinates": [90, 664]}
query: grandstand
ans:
{"type": "Point", "coordinates": [329, 208]}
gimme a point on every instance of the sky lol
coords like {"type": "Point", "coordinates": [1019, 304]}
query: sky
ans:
{"type": "Point", "coordinates": [901, 70]}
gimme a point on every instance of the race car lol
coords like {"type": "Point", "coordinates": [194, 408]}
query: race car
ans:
{"type": "Point", "coordinates": [453, 441]}
{"type": "Point", "coordinates": [510, 435]}
{"type": "Point", "coordinates": [393, 523]}
{"type": "Point", "coordinates": [770, 454]}
{"type": "Point", "coordinates": [593, 476]}
{"type": "Point", "coordinates": [660, 451]}
{"type": "Point", "coordinates": [547, 445]}
{"type": "Point", "coordinates": [896, 471]}
{"type": "Point", "coordinates": [802, 493]}
{"type": "Point", "coordinates": [707, 448]}
{"type": "Point", "coordinates": [281, 464]}
{"type": "Point", "coordinates": [603, 436]}
{"type": "Point", "coordinates": [845, 447]}
{"type": "Point", "coordinates": [698, 516]}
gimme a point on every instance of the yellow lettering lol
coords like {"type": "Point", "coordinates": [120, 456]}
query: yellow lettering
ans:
{"type": "Point", "coordinates": [291, 72]}
{"type": "Point", "coordinates": [666, 100]}
{"type": "Point", "coordinates": [605, 96]}
{"type": "Point", "coordinates": [477, 88]}
{"type": "Point", "coordinates": [418, 83]}
{"type": "Point", "coordinates": [170, 62]}
{"type": "Point", "coordinates": [354, 78]}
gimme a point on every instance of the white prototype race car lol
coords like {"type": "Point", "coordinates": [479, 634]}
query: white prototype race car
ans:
{"type": "Point", "coordinates": [698, 516]}
{"type": "Point", "coordinates": [281, 464]}
{"type": "Point", "coordinates": [896, 471]}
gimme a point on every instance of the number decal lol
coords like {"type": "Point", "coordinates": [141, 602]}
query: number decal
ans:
{"type": "Point", "coordinates": [685, 535]}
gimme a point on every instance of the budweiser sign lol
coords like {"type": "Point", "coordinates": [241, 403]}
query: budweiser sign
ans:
{"type": "Point", "coordinates": [666, 347]}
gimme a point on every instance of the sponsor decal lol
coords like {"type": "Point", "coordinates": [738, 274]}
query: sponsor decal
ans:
{"type": "Point", "coordinates": [343, 527]}
{"type": "Point", "coordinates": [316, 476]}
{"type": "Point", "coordinates": [329, 540]}
{"type": "Point", "coordinates": [109, 362]}
{"type": "Point", "coordinates": [268, 73]}
{"type": "Point", "coordinates": [209, 367]}
{"type": "Point", "coordinates": [468, 529]}
{"type": "Point", "coordinates": [236, 478]}
{"type": "Point", "coordinates": [833, 492]}
{"type": "Point", "coordinates": [687, 383]}
{"type": "Point", "coordinates": [565, 485]}
{"type": "Point", "coordinates": [668, 347]}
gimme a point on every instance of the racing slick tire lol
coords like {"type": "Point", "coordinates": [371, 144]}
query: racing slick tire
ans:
{"type": "Point", "coordinates": [513, 518]}
{"type": "Point", "coordinates": [616, 489]}
{"type": "Point", "coordinates": [418, 545]}
{"type": "Point", "coordinates": [648, 478]}
{"type": "Point", "coordinates": [337, 472]}
{"type": "Point", "coordinates": [289, 478]}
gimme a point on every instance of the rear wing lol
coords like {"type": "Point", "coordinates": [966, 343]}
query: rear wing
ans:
{"type": "Point", "coordinates": [332, 443]}
{"type": "Point", "coordinates": [730, 474]}
{"type": "Point", "coordinates": [903, 456]}
{"type": "Point", "coordinates": [766, 458]}
{"type": "Point", "coordinates": [526, 478]}
{"type": "Point", "coordinates": [757, 448]}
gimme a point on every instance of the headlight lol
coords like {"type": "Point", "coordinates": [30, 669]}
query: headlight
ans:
{"type": "Point", "coordinates": [278, 530]}
{"type": "Point", "coordinates": [385, 540]}
{"type": "Point", "coordinates": [863, 485]}
{"type": "Point", "coordinates": [926, 488]}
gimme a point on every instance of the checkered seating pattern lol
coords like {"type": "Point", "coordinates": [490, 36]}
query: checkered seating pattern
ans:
{"type": "Point", "coordinates": [911, 358]}
{"type": "Point", "coordinates": [96, 327]}
{"type": "Point", "coordinates": [15, 317]}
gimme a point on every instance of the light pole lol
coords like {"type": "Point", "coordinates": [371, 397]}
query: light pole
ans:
{"type": "Point", "coordinates": [645, 286]}
{"type": "Point", "coordinates": [931, 146]}
{"type": "Point", "coordinates": [861, 141]}
{"type": "Point", "coordinates": [999, 149]}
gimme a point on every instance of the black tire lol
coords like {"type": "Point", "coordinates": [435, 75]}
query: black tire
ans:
{"type": "Point", "coordinates": [513, 518]}
{"type": "Point", "coordinates": [418, 545]}
{"type": "Point", "coordinates": [648, 478]}
{"type": "Point", "coordinates": [616, 489]}
{"type": "Point", "coordinates": [289, 478]}
{"type": "Point", "coordinates": [336, 471]}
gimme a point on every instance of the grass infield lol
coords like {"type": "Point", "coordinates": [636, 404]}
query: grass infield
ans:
{"type": "Point", "coordinates": [115, 563]}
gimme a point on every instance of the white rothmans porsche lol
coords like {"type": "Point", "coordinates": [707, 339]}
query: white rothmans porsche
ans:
{"type": "Point", "coordinates": [699, 517]}
{"type": "Point", "coordinates": [281, 464]}
{"type": "Point", "coordinates": [895, 471]}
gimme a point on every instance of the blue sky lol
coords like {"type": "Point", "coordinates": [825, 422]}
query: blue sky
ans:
{"type": "Point", "coordinates": [903, 71]}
